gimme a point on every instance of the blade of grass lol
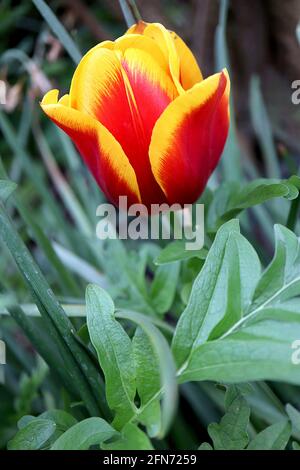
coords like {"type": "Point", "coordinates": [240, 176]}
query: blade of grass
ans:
{"type": "Point", "coordinates": [59, 30]}
{"type": "Point", "coordinates": [66, 280]}
{"type": "Point", "coordinates": [130, 12]}
{"type": "Point", "coordinates": [231, 161]}
{"type": "Point", "coordinates": [36, 178]}
{"type": "Point", "coordinates": [60, 183]}
{"type": "Point", "coordinates": [263, 129]}
{"type": "Point", "coordinates": [85, 374]}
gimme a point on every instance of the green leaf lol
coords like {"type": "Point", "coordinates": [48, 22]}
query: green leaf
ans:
{"type": "Point", "coordinates": [61, 418]}
{"type": "Point", "coordinates": [148, 380]}
{"type": "Point", "coordinates": [176, 251]}
{"type": "Point", "coordinates": [274, 437]}
{"type": "Point", "coordinates": [231, 433]}
{"type": "Point", "coordinates": [231, 198]}
{"type": "Point", "coordinates": [114, 352]}
{"type": "Point", "coordinates": [26, 419]}
{"type": "Point", "coordinates": [257, 350]}
{"type": "Point", "coordinates": [257, 345]}
{"type": "Point", "coordinates": [168, 382]}
{"type": "Point", "coordinates": [29, 387]}
{"type": "Point", "coordinates": [6, 189]}
{"type": "Point", "coordinates": [83, 435]}
{"type": "Point", "coordinates": [296, 446]}
{"type": "Point", "coordinates": [294, 416]}
{"type": "Point", "coordinates": [78, 364]}
{"type": "Point", "coordinates": [243, 266]}
{"type": "Point", "coordinates": [263, 129]}
{"type": "Point", "coordinates": [281, 279]}
{"type": "Point", "coordinates": [33, 436]}
{"type": "Point", "coordinates": [59, 30]}
{"type": "Point", "coordinates": [132, 438]}
{"type": "Point", "coordinates": [163, 287]}
{"type": "Point", "coordinates": [205, 446]}
{"type": "Point", "coordinates": [207, 301]}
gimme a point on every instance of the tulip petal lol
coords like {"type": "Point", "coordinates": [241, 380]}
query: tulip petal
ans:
{"type": "Point", "coordinates": [126, 92]}
{"type": "Point", "coordinates": [190, 73]}
{"type": "Point", "coordinates": [100, 150]}
{"type": "Point", "coordinates": [189, 137]}
{"type": "Point", "coordinates": [182, 63]}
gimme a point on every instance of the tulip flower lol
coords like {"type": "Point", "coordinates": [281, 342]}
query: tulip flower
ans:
{"type": "Point", "coordinates": [144, 120]}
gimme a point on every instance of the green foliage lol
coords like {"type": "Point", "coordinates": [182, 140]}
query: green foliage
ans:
{"type": "Point", "coordinates": [83, 435]}
{"type": "Point", "coordinates": [232, 433]}
{"type": "Point", "coordinates": [33, 436]}
{"type": "Point", "coordinates": [135, 363]}
{"type": "Point", "coordinates": [114, 352]}
{"type": "Point", "coordinates": [242, 311]}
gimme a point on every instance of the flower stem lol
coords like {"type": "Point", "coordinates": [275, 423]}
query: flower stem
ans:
{"type": "Point", "coordinates": [130, 12]}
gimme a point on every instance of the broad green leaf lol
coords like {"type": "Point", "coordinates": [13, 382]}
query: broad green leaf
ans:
{"type": "Point", "coordinates": [176, 251]}
{"type": "Point", "coordinates": [296, 446]}
{"type": "Point", "coordinates": [281, 279]}
{"type": "Point", "coordinates": [61, 418]}
{"type": "Point", "coordinates": [233, 391]}
{"type": "Point", "coordinates": [231, 198]}
{"type": "Point", "coordinates": [205, 446]}
{"type": "Point", "coordinates": [132, 438]}
{"type": "Point", "coordinates": [257, 350]}
{"type": "Point", "coordinates": [206, 300]}
{"type": "Point", "coordinates": [294, 416]}
{"type": "Point", "coordinates": [83, 435]}
{"type": "Point", "coordinates": [7, 187]}
{"type": "Point", "coordinates": [244, 269]}
{"type": "Point", "coordinates": [258, 345]}
{"type": "Point", "coordinates": [221, 292]}
{"type": "Point", "coordinates": [33, 436]}
{"type": "Point", "coordinates": [26, 419]}
{"type": "Point", "coordinates": [167, 370]}
{"type": "Point", "coordinates": [231, 433]}
{"type": "Point", "coordinates": [274, 437]}
{"type": "Point", "coordinates": [163, 287]}
{"type": "Point", "coordinates": [148, 380]}
{"type": "Point", "coordinates": [114, 350]}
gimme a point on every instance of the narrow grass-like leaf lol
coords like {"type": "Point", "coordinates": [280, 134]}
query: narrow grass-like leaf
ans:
{"type": "Point", "coordinates": [78, 364]}
{"type": "Point", "coordinates": [59, 30]}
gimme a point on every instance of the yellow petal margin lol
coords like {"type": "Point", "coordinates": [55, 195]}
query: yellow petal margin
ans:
{"type": "Point", "coordinates": [188, 138]}
{"type": "Point", "coordinates": [100, 150]}
{"type": "Point", "coordinates": [182, 63]}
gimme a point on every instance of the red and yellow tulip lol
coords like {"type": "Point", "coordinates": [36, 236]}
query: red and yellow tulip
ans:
{"type": "Point", "coordinates": [146, 123]}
